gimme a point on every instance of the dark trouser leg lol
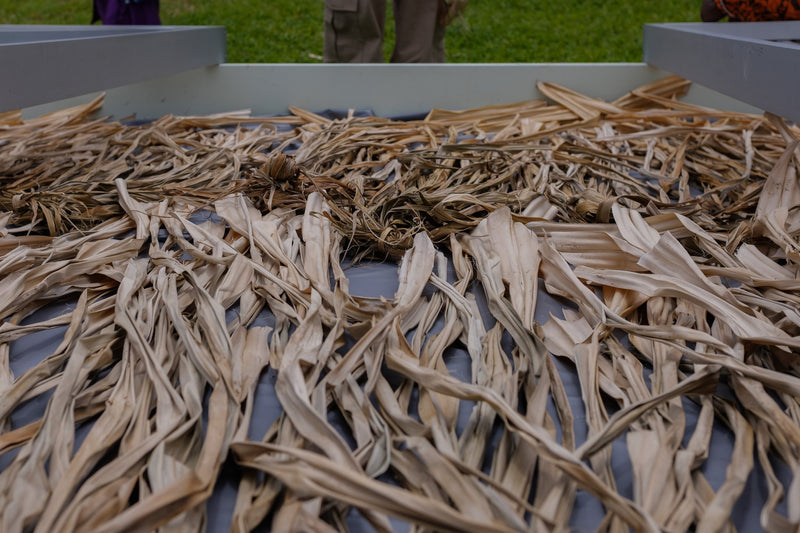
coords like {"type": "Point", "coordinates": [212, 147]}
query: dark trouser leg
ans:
{"type": "Point", "coordinates": [420, 39]}
{"type": "Point", "coordinates": [354, 31]}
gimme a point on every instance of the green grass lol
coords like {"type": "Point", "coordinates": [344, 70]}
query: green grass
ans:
{"type": "Point", "coordinates": [492, 31]}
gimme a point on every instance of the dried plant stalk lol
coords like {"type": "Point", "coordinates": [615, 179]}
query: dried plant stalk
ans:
{"type": "Point", "coordinates": [640, 255]}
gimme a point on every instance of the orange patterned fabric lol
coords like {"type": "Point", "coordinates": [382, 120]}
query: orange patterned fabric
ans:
{"type": "Point", "coordinates": [755, 10]}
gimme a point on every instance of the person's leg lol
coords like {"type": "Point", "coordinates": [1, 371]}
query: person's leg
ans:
{"type": "Point", "coordinates": [354, 31]}
{"type": "Point", "coordinates": [437, 47]}
{"type": "Point", "coordinates": [144, 13]}
{"type": "Point", "coordinates": [109, 12]}
{"type": "Point", "coordinates": [420, 38]}
{"type": "Point", "coordinates": [710, 12]}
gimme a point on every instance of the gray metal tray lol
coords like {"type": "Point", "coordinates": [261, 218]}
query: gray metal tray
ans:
{"type": "Point", "coordinates": [45, 63]}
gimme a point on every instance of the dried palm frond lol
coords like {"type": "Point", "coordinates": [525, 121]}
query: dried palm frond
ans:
{"type": "Point", "coordinates": [639, 255]}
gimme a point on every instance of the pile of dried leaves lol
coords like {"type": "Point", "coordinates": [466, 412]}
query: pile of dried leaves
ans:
{"type": "Point", "coordinates": [190, 258]}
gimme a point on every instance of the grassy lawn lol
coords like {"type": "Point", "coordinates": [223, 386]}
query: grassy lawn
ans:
{"type": "Point", "coordinates": [290, 31]}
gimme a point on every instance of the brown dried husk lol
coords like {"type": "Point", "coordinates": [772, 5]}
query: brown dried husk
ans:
{"type": "Point", "coordinates": [668, 231]}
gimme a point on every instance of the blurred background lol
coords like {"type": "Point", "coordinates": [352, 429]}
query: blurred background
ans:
{"type": "Point", "coordinates": [490, 31]}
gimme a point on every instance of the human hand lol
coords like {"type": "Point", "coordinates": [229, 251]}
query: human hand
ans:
{"type": "Point", "coordinates": [709, 12]}
{"type": "Point", "coordinates": [449, 10]}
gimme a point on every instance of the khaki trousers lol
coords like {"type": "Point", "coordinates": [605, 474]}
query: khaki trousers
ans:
{"type": "Point", "coordinates": [354, 31]}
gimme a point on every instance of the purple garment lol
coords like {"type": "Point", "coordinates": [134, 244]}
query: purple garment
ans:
{"type": "Point", "coordinates": [132, 12]}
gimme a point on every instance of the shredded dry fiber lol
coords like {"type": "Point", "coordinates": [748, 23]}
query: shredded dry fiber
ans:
{"type": "Point", "coordinates": [186, 261]}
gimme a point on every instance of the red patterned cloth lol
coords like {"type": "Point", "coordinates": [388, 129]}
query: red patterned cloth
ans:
{"type": "Point", "coordinates": [760, 10]}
